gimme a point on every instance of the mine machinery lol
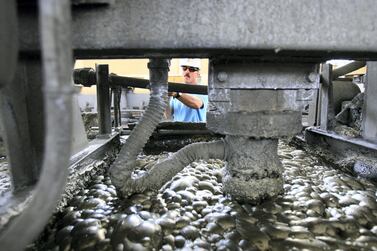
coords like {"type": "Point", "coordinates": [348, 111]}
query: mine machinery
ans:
{"type": "Point", "coordinates": [267, 62]}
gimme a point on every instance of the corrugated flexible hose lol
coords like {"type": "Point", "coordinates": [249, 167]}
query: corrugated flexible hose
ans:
{"type": "Point", "coordinates": [121, 171]}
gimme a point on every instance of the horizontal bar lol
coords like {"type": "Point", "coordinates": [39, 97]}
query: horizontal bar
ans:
{"type": "Point", "coordinates": [242, 74]}
{"type": "Point", "coordinates": [318, 137]}
{"type": "Point", "coordinates": [144, 83]}
{"type": "Point", "coordinates": [176, 125]}
{"type": "Point", "coordinates": [144, 28]}
{"type": "Point", "coordinates": [84, 76]}
{"type": "Point", "coordinates": [184, 132]}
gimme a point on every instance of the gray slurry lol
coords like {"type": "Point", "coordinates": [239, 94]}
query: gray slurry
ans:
{"type": "Point", "coordinates": [5, 179]}
{"type": "Point", "coordinates": [320, 209]}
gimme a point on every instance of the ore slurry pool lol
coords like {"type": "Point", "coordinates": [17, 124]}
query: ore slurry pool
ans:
{"type": "Point", "coordinates": [321, 209]}
{"type": "Point", "coordinates": [5, 179]}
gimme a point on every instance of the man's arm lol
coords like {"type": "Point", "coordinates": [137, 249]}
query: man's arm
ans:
{"type": "Point", "coordinates": [189, 100]}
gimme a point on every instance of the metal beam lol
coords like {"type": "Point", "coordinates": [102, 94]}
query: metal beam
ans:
{"type": "Point", "coordinates": [86, 77]}
{"type": "Point", "coordinates": [144, 83]}
{"type": "Point", "coordinates": [312, 113]}
{"type": "Point", "coordinates": [17, 130]}
{"type": "Point", "coordinates": [369, 120]}
{"type": "Point", "coordinates": [144, 28]}
{"type": "Point", "coordinates": [355, 155]}
{"type": "Point", "coordinates": [327, 97]}
{"type": "Point", "coordinates": [251, 75]}
{"type": "Point", "coordinates": [103, 99]}
{"type": "Point", "coordinates": [116, 94]}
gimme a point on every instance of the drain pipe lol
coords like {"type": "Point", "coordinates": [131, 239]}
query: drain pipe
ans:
{"type": "Point", "coordinates": [164, 171]}
{"type": "Point", "coordinates": [124, 165]}
{"type": "Point", "coordinates": [121, 172]}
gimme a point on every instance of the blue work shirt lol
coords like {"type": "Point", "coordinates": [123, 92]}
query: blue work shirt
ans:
{"type": "Point", "coordinates": [183, 113]}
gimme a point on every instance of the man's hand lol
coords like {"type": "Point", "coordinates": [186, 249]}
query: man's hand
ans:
{"type": "Point", "coordinates": [171, 94]}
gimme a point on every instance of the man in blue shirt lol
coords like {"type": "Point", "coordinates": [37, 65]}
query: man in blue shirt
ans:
{"type": "Point", "coordinates": [189, 107]}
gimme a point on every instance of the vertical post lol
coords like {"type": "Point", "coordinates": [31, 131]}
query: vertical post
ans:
{"type": "Point", "coordinates": [312, 113]}
{"type": "Point", "coordinates": [327, 107]}
{"type": "Point", "coordinates": [103, 99]}
{"type": "Point", "coordinates": [369, 118]}
{"type": "Point", "coordinates": [119, 110]}
{"type": "Point", "coordinates": [116, 104]}
{"type": "Point", "coordinates": [19, 123]}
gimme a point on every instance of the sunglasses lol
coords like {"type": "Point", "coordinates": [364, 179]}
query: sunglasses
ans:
{"type": "Point", "coordinates": [191, 69]}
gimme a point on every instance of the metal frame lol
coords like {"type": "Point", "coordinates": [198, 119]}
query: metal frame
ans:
{"type": "Point", "coordinates": [143, 28]}
{"type": "Point", "coordinates": [369, 118]}
{"type": "Point", "coordinates": [103, 100]}
{"type": "Point", "coordinates": [343, 148]}
{"type": "Point", "coordinates": [57, 58]}
{"type": "Point", "coordinates": [117, 91]}
{"type": "Point", "coordinates": [18, 110]}
{"type": "Point", "coordinates": [327, 108]}
{"type": "Point", "coordinates": [86, 77]}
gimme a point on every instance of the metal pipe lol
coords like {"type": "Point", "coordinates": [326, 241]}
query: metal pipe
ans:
{"type": "Point", "coordinates": [103, 99]}
{"type": "Point", "coordinates": [143, 83]}
{"type": "Point", "coordinates": [86, 77]}
{"type": "Point", "coordinates": [165, 170]}
{"type": "Point", "coordinates": [55, 20]}
{"type": "Point", "coordinates": [353, 66]}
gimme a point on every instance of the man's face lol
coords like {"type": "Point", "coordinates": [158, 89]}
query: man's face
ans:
{"type": "Point", "coordinates": [190, 74]}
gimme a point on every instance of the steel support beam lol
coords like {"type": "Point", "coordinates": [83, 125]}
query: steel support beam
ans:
{"type": "Point", "coordinates": [87, 78]}
{"type": "Point", "coordinates": [144, 28]}
{"type": "Point", "coordinates": [369, 120]}
{"type": "Point", "coordinates": [117, 91]}
{"type": "Point", "coordinates": [57, 58]}
{"type": "Point", "coordinates": [327, 108]}
{"type": "Point", "coordinates": [144, 83]}
{"type": "Point", "coordinates": [22, 121]}
{"type": "Point", "coordinates": [354, 155]}
{"type": "Point", "coordinates": [103, 99]}
{"type": "Point", "coordinates": [313, 108]}
{"type": "Point", "coordinates": [258, 99]}
{"type": "Point", "coordinates": [15, 130]}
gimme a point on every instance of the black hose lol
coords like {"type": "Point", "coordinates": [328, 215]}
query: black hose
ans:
{"type": "Point", "coordinates": [121, 171]}
{"type": "Point", "coordinates": [164, 171]}
{"type": "Point", "coordinates": [124, 165]}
